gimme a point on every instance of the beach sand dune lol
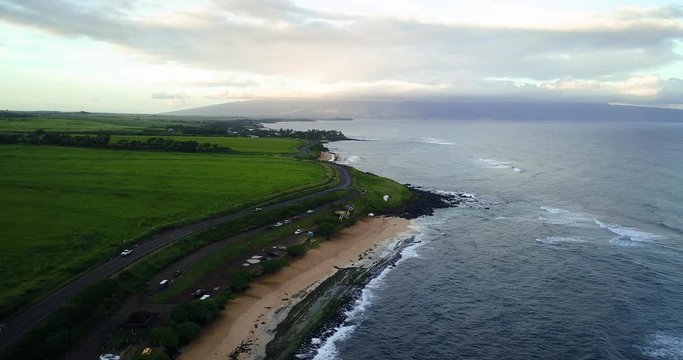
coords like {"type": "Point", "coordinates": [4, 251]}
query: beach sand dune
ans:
{"type": "Point", "coordinates": [252, 316]}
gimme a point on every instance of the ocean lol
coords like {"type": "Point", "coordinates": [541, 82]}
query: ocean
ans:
{"type": "Point", "coordinates": [575, 253]}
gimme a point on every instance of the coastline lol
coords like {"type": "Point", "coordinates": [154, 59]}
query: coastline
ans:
{"type": "Point", "coordinates": [247, 323]}
{"type": "Point", "coordinates": [328, 156]}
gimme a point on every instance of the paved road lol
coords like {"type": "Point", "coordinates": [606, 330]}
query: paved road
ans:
{"type": "Point", "coordinates": [30, 317]}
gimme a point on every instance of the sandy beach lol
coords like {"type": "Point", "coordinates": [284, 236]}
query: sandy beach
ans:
{"type": "Point", "coordinates": [252, 316]}
{"type": "Point", "coordinates": [328, 156]}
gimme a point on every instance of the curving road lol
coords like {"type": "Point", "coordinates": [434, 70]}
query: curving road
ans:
{"type": "Point", "coordinates": [30, 317]}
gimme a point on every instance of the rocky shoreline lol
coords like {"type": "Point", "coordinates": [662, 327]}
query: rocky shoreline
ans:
{"type": "Point", "coordinates": [323, 310]}
{"type": "Point", "coordinates": [425, 202]}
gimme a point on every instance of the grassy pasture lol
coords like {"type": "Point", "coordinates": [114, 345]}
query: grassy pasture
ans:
{"type": "Point", "coordinates": [69, 124]}
{"type": "Point", "coordinates": [65, 209]}
{"type": "Point", "coordinates": [241, 144]}
{"type": "Point", "coordinates": [74, 122]}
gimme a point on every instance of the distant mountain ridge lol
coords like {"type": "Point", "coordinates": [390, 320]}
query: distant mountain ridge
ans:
{"type": "Point", "coordinates": [470, 110]}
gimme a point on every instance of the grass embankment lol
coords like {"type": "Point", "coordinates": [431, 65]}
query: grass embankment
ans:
{"type": "Point", "coordinates": [65, 209]}
{"type": "Point", "coordinates": [217, 260]}
{"type": "Point", "coordinates": [372, 189]}
{"type": "Point", "coordinates": [70, 323]}
{"type": "Point", "coordinates": [240, 144]}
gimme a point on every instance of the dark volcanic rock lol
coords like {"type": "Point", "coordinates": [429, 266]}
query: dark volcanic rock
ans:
{"type": "Point", "coordinates": [424, 203]}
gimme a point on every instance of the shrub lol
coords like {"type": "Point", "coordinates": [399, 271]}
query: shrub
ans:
{"type": "Point", "coordinates": [165, 336]}
{"type": "Point", "coordinates": [296, 250]}
{"type": "Point", "coordinates": [239, 280]}
{"type": "Point", "coordinates": [187, 332]}
{"type": "Point", "coordinates": [273, 265]}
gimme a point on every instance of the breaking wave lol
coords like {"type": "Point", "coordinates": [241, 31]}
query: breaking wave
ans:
{"type": "Point", "coordinates": [497, 164]}
{"type": "Point", "coordinates": [350, 159]}
{"type": "Point", "coordinates": [628, 236]}
{"type": "Point", "coordinates": [554, 240]}
{"type": "Point", "coordinates": [435, 141]}
{"type": "Point", "coordinates": [557, 216]}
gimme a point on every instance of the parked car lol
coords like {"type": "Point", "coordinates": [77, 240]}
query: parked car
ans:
{"type": "Point", "coordinates": [126, 252]}
{"type": "Point", "coordinates": [177, 273]}
{"type": "Point", "coordinates": [199, 292]}
{"type": "Point", "coordinates": [298, 232]}
{"type": "Point", "coordinates": [257, 209]}
{"type": "Point", "coordinates": [204, 297]}
{"type": "Point", "coordinates": [277, 224]}
{"type": "Point", "coordinates": [309, 211]}
{"type": "Point", "coordinates": [287, 221]}
{"type": "Point", "coordinates": [273, 253]}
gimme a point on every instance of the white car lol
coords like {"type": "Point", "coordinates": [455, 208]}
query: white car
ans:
{"type": "Point", "coordinates": [309, 212]}
{"type": "Point", "coordinates": [298, 232]}
{"type": "Point", "coordinates": [126, 252]}
{"type": "Point", "coordinates": [277, 224]}
{"type": "Point", "coordinates": [204, 297]}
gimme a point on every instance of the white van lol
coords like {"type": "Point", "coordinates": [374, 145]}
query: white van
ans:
{"type": "Point", "coordinates": [163, 284]}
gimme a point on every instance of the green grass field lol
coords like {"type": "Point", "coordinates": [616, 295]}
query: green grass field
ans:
{"type": "Point", "coordinates": [249, 145]}
{"type": "Point", "coordinates": [74, 122]}
{"type": "Point", "coordinates": [65, 209]}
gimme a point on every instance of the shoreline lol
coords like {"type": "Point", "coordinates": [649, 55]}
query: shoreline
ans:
{"type": "Point", "coordinates": [247, 323]}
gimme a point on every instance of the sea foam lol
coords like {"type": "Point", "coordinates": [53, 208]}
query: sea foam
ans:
{"type": "Point", "coordinates": [628, 236]}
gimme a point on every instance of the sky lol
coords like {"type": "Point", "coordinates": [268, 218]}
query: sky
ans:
{"type": "Point", "coordinates": [146, 56]}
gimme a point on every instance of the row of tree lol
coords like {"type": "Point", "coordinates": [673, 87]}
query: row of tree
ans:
{"type": "Point", "coordinates": [250, 127]}
{"type": "Point", "coordinates": [40, 137]}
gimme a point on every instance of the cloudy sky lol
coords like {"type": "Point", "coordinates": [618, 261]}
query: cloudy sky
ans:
{"type": "Point", "coordinates": [154, 56]}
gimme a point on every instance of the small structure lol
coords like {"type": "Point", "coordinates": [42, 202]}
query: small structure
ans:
{"type": "Point", "coordinates": [385, 197]}
{"type": "Point", "coordinates": [140, 319]}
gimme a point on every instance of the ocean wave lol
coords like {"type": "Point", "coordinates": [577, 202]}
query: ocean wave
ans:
{"type": "Point", "coordinates": [554, 240]}
{"type": "Point", "coordinates": [627, 234]}
{"type": "Point", "coordinates": [435, 141]}
{"type": "Point", "coordinates": [497, 164]}
{"type": "Point", "coordinates": [363, 138]}
{"type": "Point", "coordinates": [557, 216]}
{"type": "Point", "coordinates": [664, 346]}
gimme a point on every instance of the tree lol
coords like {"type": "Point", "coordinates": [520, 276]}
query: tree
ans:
{"type": "Point", "coordinates": [165, 336]}
{"type": "Point", "coordinates": [188, 331]}
{"type": "Point", "coordinates": [296, 250]}
{"type": "Point", "coordinates": [239, 280]}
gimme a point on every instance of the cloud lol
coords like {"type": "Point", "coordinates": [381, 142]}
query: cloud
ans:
{"type": "Point", "coordinates": [167, 96]}
{"type": "Point", "coordinates": [341, 53]}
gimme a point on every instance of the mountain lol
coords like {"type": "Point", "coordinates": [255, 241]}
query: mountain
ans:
{"type": "Point", "coordinates": [379, 109]}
